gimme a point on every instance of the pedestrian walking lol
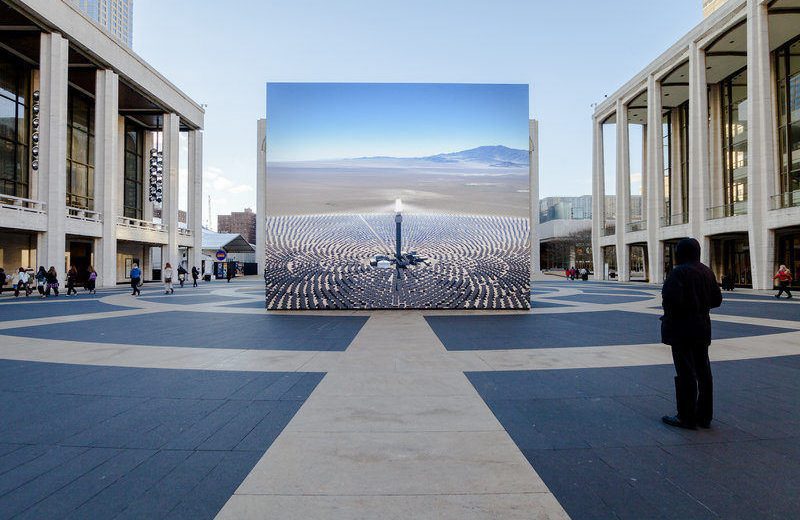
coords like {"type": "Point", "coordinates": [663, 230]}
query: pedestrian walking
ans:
{"type": "Point", "coordinates": [51, 280]}
{"type": "Point", "coordinates": [181, 275]}
{"type": "Point", "coordinates": [167, 273]}
{"type": "Point", "coordinates": [3, 277]}
{"type": "Point", "coordinates": [229, 271]}
{"type": "Point", "coordinates": [689, 293]}
{"type": "Point", "coordinates": [91, 284]}
{"type": "Point", "coordinates": [784, 277]}
{"type": "Point", "coordinates": [22, 283]}
{"type": "Point", "coordinates": [195, 275]}
{"type": "Point", "coordinates": [72, 278]}
{"type": "Point", "coordinates": [41, 280]}
{"type": "Point", "coordinates": [136, 279]}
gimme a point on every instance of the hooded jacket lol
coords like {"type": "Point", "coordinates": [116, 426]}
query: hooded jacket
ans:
{"type": "Point", "coordinates": [690, 292]}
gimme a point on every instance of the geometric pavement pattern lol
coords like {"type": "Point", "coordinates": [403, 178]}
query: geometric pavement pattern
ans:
{"type": "Point", "coordinates": [202, 404]}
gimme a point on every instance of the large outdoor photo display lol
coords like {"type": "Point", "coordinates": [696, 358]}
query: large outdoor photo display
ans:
{"type": "Point", "coordinates": [397, 196]}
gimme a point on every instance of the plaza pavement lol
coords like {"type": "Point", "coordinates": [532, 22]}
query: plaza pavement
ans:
{"type": "Point", "coordinates": [202, 404]}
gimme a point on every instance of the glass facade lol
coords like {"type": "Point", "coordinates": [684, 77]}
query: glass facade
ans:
{"type": "Point", "coordinates": [14, 128]}
{"type": "Point", "coordinates": [788, 244]}
{"type": "Point", "coordinates": [133, 189]}
{"type": "Point", "coordinates": [788, 77]}
{"type": "Point", "coordinates": [734, 144]}
{"type": "Point", "coordinates": [730, 256]}
{"type": "Point", "coordinates": [683, 140]}
{"type": "Point", "coordinates": [666, 130]}
{"type": "Point", "coordinates": [80, 150]}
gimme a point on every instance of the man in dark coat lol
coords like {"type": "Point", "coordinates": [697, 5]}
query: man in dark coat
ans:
{"type": "Point", "coordinates": [690, 291]}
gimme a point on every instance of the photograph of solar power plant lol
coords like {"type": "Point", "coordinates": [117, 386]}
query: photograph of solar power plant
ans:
{"type": "Point", "coordinates": [385, 196]}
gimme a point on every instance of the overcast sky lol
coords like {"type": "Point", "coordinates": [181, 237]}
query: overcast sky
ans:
{"type": "Point", "coordinates": [571, 54]}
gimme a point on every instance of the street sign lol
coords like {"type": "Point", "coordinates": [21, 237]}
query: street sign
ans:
{"type": "Point", "coordinates": [221, 255]}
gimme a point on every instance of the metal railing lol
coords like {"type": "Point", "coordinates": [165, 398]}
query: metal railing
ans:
{"type": "Point", "coordinates": [609, 230]}
{"type": "Point", "coordinates": [636, 225]}
{"type": "Point", "coordinates": [726, 210]}
{"type": "Point", "coordinates": [675, 220]}
{"type": "Point", "coordinates": [83, 214]}
{"type": "Point", "coordinates": [788, 199]}
{"type": "Point", "coordinates": [185, 232]}
{"type": "Point", "coordinates": [22, 204]}
{"type": "Point", "coordinates": [139, 224]}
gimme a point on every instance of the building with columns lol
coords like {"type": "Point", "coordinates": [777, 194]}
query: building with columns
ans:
{"type": "Point", "coordinates": [718, 114]}
{"type": "Point", "coordinates": [79, 114]}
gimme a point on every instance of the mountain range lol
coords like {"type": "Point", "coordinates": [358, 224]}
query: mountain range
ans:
{"type": "Point", "coordinates": [496, 156]}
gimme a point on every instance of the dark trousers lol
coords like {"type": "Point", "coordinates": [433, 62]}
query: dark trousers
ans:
{"type": "Point", "coordinates": [71, 288]}
{"type": "Point", "coordinates": [194, 281]}
{"type": "Point", "coordinates": [135, 286]}
{"type": "Point", "coordinates": [694, 385]}
{"type": "Point", "coordinates": [783, 287]}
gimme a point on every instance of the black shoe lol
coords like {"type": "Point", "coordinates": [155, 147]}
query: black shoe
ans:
{"type": "Point", "coordinates": [673, 420]}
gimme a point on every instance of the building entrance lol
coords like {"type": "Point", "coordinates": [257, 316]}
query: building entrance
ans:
{"type": "Point", "coordinates": [787, 243]}
{"type": "Point", "coordinates": [730, 256]}
{"type": "Point", "coordinates": [638, 262]}
{"type": "Point", "coordinates": [80, 255]}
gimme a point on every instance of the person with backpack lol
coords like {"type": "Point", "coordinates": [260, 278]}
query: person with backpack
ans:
{"type": "Point", "coordinates": [195, 275]}
{"type": "Point", "coordinates": [91, 283]}
{"type": "Point", "coordinates": [136, 279]}
{"type": "Point", "coordinates": [41, 280]}
{"type": "Point", "coordinates": [784, 277]}
{"type": "Point", "coordinates": [167, 273]}
{"type": "Point", "coordinates": [689, 293]}
{"type": "Point", "coordinates": [52, 282]}
{"type": "Point", "coordinates": [22, 283]}
{"type": "Point", "coordinates": [72, 278]}
{"type": "Point", "coordinates": [181, 275]}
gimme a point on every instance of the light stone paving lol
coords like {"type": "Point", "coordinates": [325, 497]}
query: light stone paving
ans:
{"type": "Point", "coordinates": [395, 429]}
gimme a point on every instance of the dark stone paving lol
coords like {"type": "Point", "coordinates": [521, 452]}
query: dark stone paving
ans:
{"type": "Point", "coordinates": [210, 330]}
{"type": "Point", "coordinates": [109, 442]}
{"type": "Point", "coordinates": [52, 307]}
{"type": "Point", "coordinates": [579, 329]}
{"type": "Point", "coordinates": [774, 310]}
{"type": "Point", "coordinates": [260, 304]}
{"type": "Point", "coordinates": [536, 304]}
{"type": "Point", "coordinates": [595, 438]}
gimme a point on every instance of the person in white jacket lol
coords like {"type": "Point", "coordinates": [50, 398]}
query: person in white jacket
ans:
{"type": "Point", "coordinates": [167, 277]}
{"type": "Point", "coordinates": [22, 283]}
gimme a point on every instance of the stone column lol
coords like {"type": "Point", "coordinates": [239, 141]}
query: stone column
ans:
{"type": "Point", "coordinates": [698, 143]}
{"type": "Point", "coordinates": [760, 144]}
{"type": "Point", "coordinates": [598, 199]}
{"type": "Point", "coordinates": [106, 173]}
{"type": "Point", "coordinates": [53, 56]}
{"type": "Point", "coordinates": [655, 175]}
{"type": "Point", "coordinates": [194, 217]}
{"type": "Point", "coordinates": [533, 164]}
{"type": "Point", "coordinates": [623, 190]}
{"type": "Point", "coordinates": [715, 186]}
{"type": "Point", "coordinates": [169, 211]}
{"type": "Point", "coordinates": [261, 193]}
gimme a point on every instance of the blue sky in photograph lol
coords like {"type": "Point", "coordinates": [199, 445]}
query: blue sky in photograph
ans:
{"type": "Point", "coordinates": [571, 53]}
{"type": "Point", "coordinates": [311, 121]}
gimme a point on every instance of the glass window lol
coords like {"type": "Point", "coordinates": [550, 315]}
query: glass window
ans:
{"type": "Point", "coordinates": [14, 93]}
{"type": "Point", "coordinates": [134, 172]}
{"type": "Point", "coordinates": [80, 150]}
{"type": "Point", "coordinates": [666, 129]}
{"type": "Point", "coordinates": [683, 119]}
{"type": "Point", "coordinates": [734, 143]}
{"type": "Point", "coordinates": [788, 77]}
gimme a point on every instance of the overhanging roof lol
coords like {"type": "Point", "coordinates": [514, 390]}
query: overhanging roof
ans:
{"type": "Point", "coordinates": [230, 242]}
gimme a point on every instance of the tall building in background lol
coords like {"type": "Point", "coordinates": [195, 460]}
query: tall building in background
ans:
{"type": "Point", "coordinates": [709, 6]}
{"type": "Point", "coordinates": [565, 208]}
{"type": "Point", "coordinates": [115, 16]}
{"type": "Point", "coordinates": [240, 222]}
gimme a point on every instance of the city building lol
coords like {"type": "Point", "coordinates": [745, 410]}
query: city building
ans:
{"type": "Point", "coordinates": [720, 111]}
{"type": "Point", "coordinates": [115, 16]}
{"type": "Point", "coordinates": [565, 208]}
{"type": "Point", "coordinates": [239, 222]}
{"type": "Point", "coordinates": [83, 113]}
{"type": "Point", "coordinates": [565, 243]}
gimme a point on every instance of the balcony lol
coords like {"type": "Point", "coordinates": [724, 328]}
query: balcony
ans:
{"type": "Point", "coordinates": [135, 223]}
{"type": "Point", "coordinates": [85, 215]}
{"type": "Point", "coordinates": [636, 225]}
{"type": "Point", "coordinates": [675, 220]}
{"type": "Point", "coordinates": [185, 232]}
{"type": "Point", "coordinates": [23, 205]}
{"type": "Point", "coordinates": [727, 210]}
{"type": "Point", "coordinates": [789, 199]}
{"type": "Point", "coordinates": [609, 229]}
